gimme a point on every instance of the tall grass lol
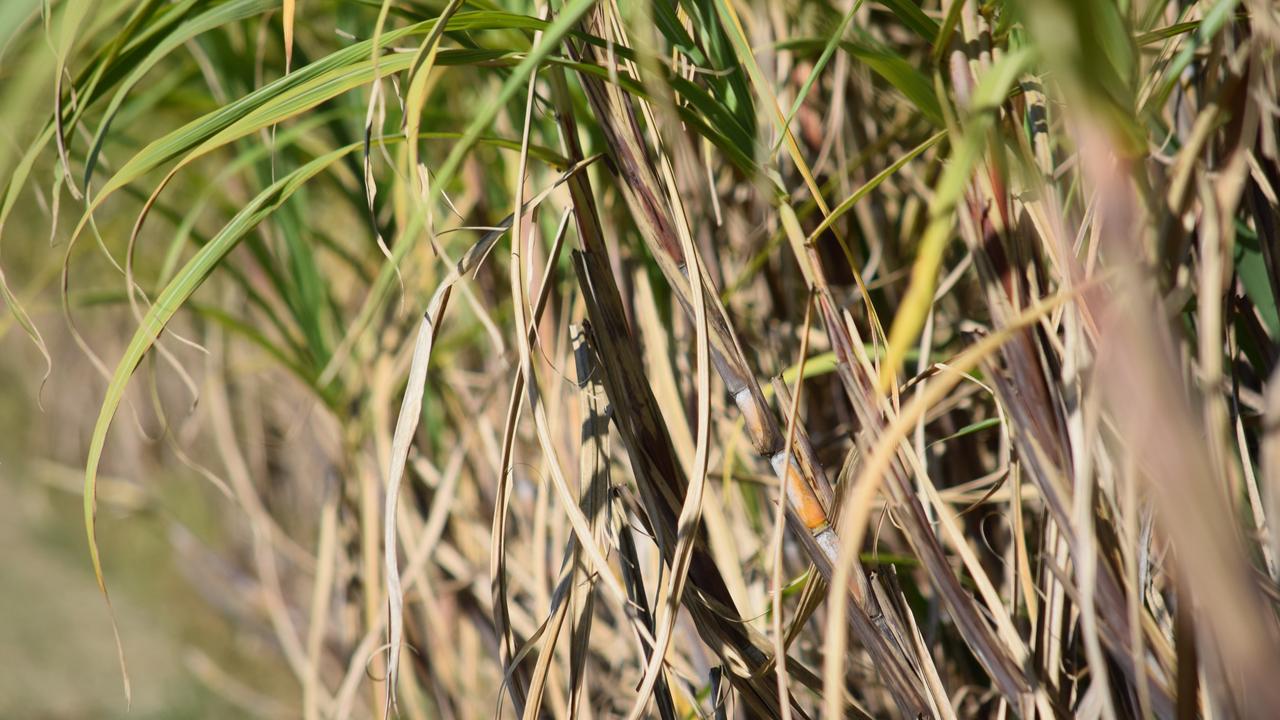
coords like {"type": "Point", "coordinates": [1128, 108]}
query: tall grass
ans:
{"type": "Point", "coordinates": [693, 358]}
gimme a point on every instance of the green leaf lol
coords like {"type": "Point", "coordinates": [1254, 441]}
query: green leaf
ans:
{"type": "Point", "coordinates": [902, 75]}
{"type": "Point", "coordinates": [1251, 264]}
{"type": "Point", "coordinates": [216, 17]}
{"type": "Point", "coordinates": [913, 17]}
{"type": "Point", "coordinates": [483, 116]}
{"type": "Point", "coordinates": [729, 81]}
{"type": "Point", "coordinates": [167, 303]}
{"type": "Point", "coordinates": [992, 88]}
{"type": "Point", "coordinates": [969, 429]}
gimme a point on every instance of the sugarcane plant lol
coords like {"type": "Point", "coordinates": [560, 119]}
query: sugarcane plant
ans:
{"type": "Point", "coordinates": [687, 358]}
